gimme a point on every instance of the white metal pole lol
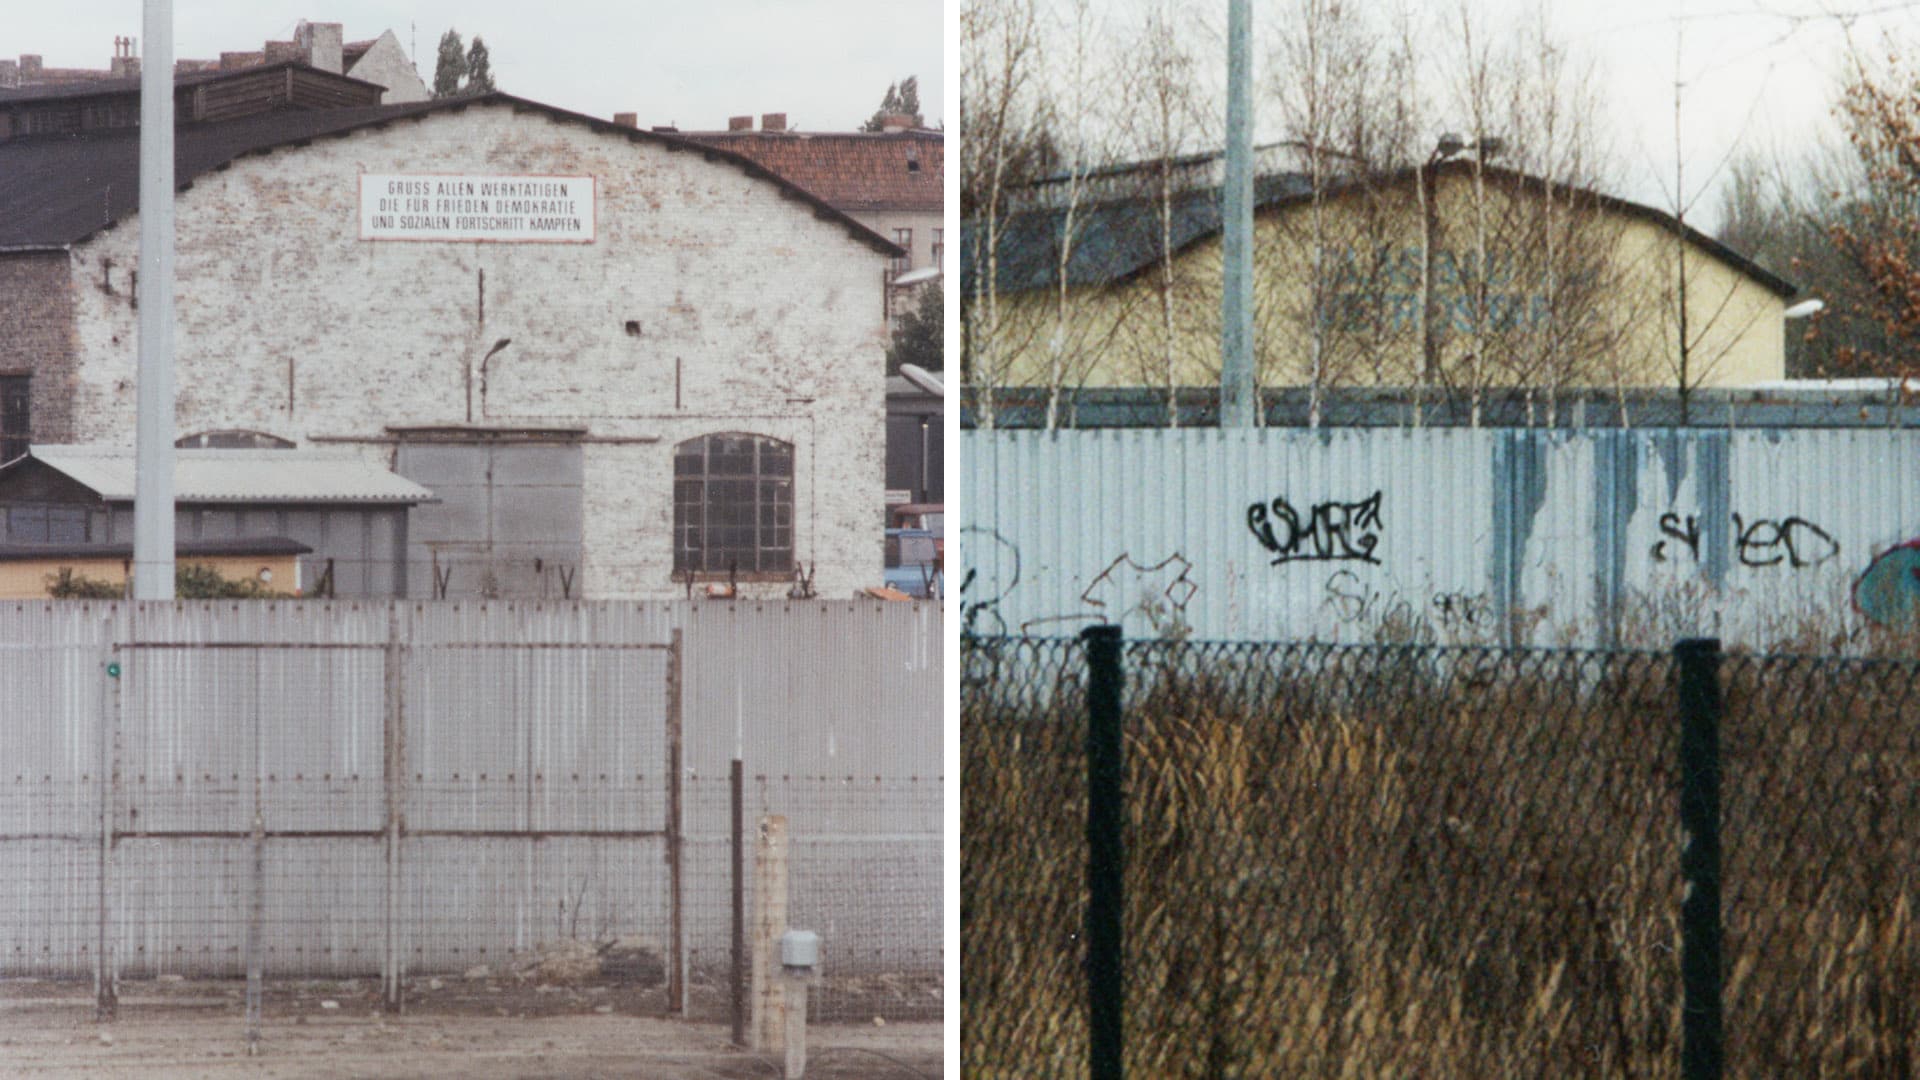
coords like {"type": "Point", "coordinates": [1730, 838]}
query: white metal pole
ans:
{"type": "Point", "coordinates": [153, 460]}
{"type": "Point", "coordinates": [1237, 403]}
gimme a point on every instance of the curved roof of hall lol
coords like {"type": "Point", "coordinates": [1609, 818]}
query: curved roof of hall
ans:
{"type": "Point", "coordinates": [59, 189]}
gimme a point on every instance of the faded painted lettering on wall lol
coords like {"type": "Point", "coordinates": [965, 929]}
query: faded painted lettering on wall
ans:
{"type": "Point", "coordinates": [510, 209]}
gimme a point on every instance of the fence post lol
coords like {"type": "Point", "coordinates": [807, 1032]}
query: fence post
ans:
{"type": "Point", "coordinates": [676, 833]}
{"type": "Point", "coordinates": [1106, 852]}
{"type": "Point", "coordinates": [1702, 1037]}
{"type": "Point", "coordinates": [106, 1002]}
{"type": "Point", "coordinates": [738, 838]}
{"type": "Point", "coordinates": [393, 780]}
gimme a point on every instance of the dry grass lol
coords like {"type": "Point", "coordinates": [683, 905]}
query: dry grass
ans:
{"type": "Point", "coordinates": [1380, 865]}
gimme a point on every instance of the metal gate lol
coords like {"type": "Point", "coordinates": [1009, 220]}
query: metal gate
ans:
{"type": "Point", "coordinates": [308, 809]}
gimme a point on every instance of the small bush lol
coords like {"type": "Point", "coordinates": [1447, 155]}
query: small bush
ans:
{"type": "Point", "coordinates": [191, 581]}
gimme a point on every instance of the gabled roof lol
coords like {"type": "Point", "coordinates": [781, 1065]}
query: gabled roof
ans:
{"type": "Point", "coordinates": [60, 189]}
{"type": "Point", "coordinates": [233, 476]}
{"type": "Point", "coordinates": [1116, 239]}
{"type": "Point", "coordinates": [853, 170]}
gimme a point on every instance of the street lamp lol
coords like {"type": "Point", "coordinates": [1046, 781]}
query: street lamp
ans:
{"type": "Point", "coordinates": [497, 346]}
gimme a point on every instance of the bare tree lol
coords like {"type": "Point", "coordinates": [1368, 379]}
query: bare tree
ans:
{"type": "Point", "coordinates": [1076, 339]}
{"type": "Point", "coordinates": [1701, 322]}
{"type": "Point", "coordinates": [1338, 304]}
{"type": "Point", "coordinates": [1002, 132]}
{"type": "Point", "coordinates": [1165, 114]}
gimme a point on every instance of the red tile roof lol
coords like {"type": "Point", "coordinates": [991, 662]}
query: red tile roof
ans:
{"type": "Point", "coordinates": [852, 171]}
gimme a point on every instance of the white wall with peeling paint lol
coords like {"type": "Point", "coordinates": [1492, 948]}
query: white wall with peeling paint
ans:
{"type": "Point", "coordinates": [710, 301]}
{"type": "Point", "coordinates": [1477, 536]}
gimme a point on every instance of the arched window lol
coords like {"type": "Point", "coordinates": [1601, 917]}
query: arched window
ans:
{"type": "Point", "coordinates": [733, 506]}
{"type": "Point", "coordinates": [232, 440]}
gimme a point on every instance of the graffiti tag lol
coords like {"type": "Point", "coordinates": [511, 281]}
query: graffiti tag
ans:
{"type": "Point", "coordinates": [1333, 531]}
{"type": "Point", "coordinates": [1792, 541]}
{"type": "Point", "coordinates": [1685, 530]}
{"type": "Point", "coordinates": [1888, 593]}
{"type": "Point", "coordinates": [1461, 611]}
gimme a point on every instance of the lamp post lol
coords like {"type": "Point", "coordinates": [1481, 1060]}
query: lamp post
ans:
{"type": "Point", "coordinates": [1237, 385]}
{"type": "Point", "coordinates": [497, 346]}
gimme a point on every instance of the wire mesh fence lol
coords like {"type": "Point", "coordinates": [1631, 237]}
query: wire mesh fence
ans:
{"type": "Point", "coordinates": [1382, 861]}
{"type": "Point", "coordinates": [415, 807]}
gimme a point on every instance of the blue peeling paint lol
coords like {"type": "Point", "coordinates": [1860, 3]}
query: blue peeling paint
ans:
{"type": "Point", "coordinates": [1520, 490]}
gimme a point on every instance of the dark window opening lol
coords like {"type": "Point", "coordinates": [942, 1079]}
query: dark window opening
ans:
{"type": "Point", "coordinates": [16, 415]}
{"type": "Point", "coordinates": [42, 523]}
{"type": "Point", "coordinates": [904, 238]}
{"type": "Point", "coordinates": [733, 506]}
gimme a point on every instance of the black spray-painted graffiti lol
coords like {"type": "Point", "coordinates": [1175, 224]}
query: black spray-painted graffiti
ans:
{"type": "Point", "coordinates": [1333, 531]}
{"type": "Point", "coordinates": [1791, 541]}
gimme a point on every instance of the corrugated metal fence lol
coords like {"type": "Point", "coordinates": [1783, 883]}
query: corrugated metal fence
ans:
{"type": "Point", "coordinates": [1446, 535]}
{"type": "Point", "coordinates": [438, 786]}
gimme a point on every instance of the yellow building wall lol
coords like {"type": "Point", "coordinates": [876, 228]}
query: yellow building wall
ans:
{"type": "Point", "coordinates": [1610, 286]}
{"type": "Point", "coordinates": [28, 579]}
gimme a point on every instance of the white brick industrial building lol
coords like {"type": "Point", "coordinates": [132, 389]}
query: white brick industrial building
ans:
{"type": "Point", "coordinates": [628, 365]}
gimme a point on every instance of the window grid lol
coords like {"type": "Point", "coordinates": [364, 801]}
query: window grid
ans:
{"type": "Point", "coordinates": [733, 506]}
{"type": "Point", "coordinates": [904, 238]}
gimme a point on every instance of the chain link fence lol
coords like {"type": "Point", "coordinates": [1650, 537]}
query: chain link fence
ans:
{"type": "Point", "coordinates": [1419, 861]}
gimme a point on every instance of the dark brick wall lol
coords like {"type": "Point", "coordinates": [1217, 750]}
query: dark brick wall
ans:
{"type": "Point", "coordinates": [37, 335]}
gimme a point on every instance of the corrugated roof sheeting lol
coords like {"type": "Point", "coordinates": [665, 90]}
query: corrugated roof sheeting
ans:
{"type": "Point", "coordinates": [316, 476]}
{"type": "Point", "coordinates": [1523, 536]}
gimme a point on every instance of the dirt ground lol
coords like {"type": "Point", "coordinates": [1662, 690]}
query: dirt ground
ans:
{"type": "Point", "coordinates": [486, 1029]}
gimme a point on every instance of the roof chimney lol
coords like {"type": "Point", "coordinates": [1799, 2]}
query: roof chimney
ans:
{"type": "Point", "coordinates": [320, 45]}
{"type": "Point", "coordinates": [896, 122]}
{"type": "Point", "coordinates": [626, 119]}
{"type": "Point", "coordinates": [773, 121]}
{"type": "Point", "coordinates": [739, 123]}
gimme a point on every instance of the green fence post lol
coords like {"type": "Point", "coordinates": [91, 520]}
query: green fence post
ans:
{"type": "Point", "coordinates": [1106, 852]}
{"type": "Point", "coordinates": [1703, 1044]}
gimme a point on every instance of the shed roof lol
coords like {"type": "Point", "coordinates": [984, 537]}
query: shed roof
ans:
{"type": "Point", "coordinates": [60, 189]}
{"type": "Point", "coordinates": [182, 548]}
{"type": "Point", "coordinates": [129, 85]}
{"type": "Point", "coordinates": [235, 476]}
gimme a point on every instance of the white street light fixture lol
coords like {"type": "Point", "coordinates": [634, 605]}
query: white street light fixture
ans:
{"type": "Point", "coordinates": [1805, 308]}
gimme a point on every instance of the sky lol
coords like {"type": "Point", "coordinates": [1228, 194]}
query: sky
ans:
{"type": "Point", "coordinates": [825, 63]}
{"type": "Point", "coordinates": [1757, 76]}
